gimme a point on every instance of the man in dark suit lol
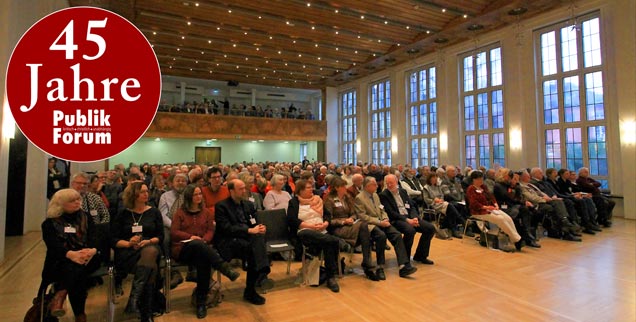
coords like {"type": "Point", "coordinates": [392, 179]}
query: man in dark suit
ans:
{"type": "Point", "coordinates": [238, 236]}
{"type": "Point", "coordinates": [404, 216]}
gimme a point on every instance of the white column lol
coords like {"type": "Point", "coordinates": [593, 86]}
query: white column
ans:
{"type": "Point", "coordinates": [16, 16]}
{"type": "Point", "coordinates": [331, 106]}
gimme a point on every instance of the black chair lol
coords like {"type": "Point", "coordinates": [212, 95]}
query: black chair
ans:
{"type": "Point", "coordinates": [106, 270]}
{"type": "Point", "coordinates": [277, 235]}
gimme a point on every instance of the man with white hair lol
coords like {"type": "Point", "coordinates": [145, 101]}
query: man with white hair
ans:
{"type": "Point", "coordinates": [356, 187]}
{"type": "Point", "coordinates": [405, 217]}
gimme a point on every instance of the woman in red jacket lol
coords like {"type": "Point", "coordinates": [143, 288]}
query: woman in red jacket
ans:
{"type": "Point", "coordinates": [191, 234]}
{"type": "Point", "coordinates": [483, 205]}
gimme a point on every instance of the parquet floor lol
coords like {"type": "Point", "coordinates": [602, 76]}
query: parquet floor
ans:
{"type": "Point", "coordinates": [564, 281]}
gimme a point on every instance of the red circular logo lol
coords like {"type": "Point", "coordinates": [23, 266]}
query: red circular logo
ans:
{"type": "Point", "coordinates": [83, 84]}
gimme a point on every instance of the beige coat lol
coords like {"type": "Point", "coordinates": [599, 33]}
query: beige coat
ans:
{"type": "Point", "coordinates": [370, 211]}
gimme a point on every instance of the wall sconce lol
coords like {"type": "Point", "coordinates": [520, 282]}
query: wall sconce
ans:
{"type": "Point", "coordinates": [628, 132]}
{"type": "Point", "coordinates": [516, 142]}
{"type": "Point", "coordinates": [443, 141]}
{"type": "Point", "coordinates": [358, 147]}
{"type": "Point", "coordinates": [8, 123]}
{"type": "Point", "coordinates": [394, 144]}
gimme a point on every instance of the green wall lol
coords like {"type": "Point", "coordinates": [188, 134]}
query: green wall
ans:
{"type": "Point", "coordinates": [182, 150]}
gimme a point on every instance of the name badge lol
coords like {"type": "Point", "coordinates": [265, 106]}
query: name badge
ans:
{"type": "Point", "coordinates": [251, 199]}
{"type": "Point", "coordinates": [137, 229]}
{"type": "Point", "coordinates": [253, 221]}
{"type": "Point", "coordinates": [478, 190]}
{"type": "Point", "coordinates": [93, 212]}
{"type": "Point", "coordinates": [504, 206]}
{"type": "Point", "coordinates": [407, 206]}
{"type": "Point", "coordinates": [70, 230]}
{"type": "Point", "coordinates": [403, 211]}
{"type": "Point", "coordinates": [338, 204]}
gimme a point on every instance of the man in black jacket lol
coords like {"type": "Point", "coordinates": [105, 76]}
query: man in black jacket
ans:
{"type": "Point", "coordinates": [404, 216]}
{"type": "Point", "coordinates": [238, 236]}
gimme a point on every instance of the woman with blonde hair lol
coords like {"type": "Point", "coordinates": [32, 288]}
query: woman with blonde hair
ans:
{"type": "Point", "coordinates": [69, 235]}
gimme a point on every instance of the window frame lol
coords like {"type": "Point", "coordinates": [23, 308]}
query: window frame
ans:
{"type": "Point", "coordinates": [567, 123]}
{"type": "Point", "coordinates": [424, 142]}
{"type": "Point", "coordinates": [475, 130]}
{"type": "Point", "coordinates": [348, 147]}
{"type": "Point", "coordinates": [380, 131]}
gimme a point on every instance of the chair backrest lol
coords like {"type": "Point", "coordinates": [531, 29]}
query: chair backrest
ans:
{"type": "Point", "coordinates": [276, 222]}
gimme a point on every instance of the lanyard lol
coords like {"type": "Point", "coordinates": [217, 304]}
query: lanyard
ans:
{"type": "Point", "coordinates": [135, 222]}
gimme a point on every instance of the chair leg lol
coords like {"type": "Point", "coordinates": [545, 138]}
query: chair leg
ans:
{"type": "Point", "coordinates": [110, 306]}
{"type": "Point", "coordinates": [289, 260]}
{"type": "Point", "coordinates": [166, 286]}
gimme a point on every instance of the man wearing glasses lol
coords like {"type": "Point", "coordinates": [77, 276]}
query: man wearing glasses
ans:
{"type": "Point", "coordinates": [215, 191]}
{"type": "Point", "coordinates": [92, 204]}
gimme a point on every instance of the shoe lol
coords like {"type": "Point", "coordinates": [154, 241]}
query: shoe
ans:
{"type": "Point", "coordinates": [571, 237]}
{"type": "Point", "coordinates": [519, 244]}
{"type": "Point", "coordinates": [595, 227]}
{"type": "Point", "coordinates": [346, 248]}
{"type": "Point", "coordinates": [507, 248]}
{"type": "Point", "coordinates": [264, 282]}
{"type": "Point", "coordinates": [227, 270]}
{"type": "Point", "coordinates": [370, 275]}
{"type": "Point", "coordinates": [202, 311]}
{"type": "Point", "coordinates": [379, 273]}
{"type": "Point", "coordinates": [575, 233]}
{"type": "Point", "coordinates": [80, 317]}
{"type": "Point", "coordinates": [139, 283]}
{"type": "Point", "coordinates": [424, 261]}
{"type": "Point", "coordinates": [175, 279]}
{"type": "Point", "coordinates": [457, 234]}
{"type": "Point", "coordinates": [533, 243]}
{"type": "Point", "coordinates": [253, 298]}
{"type": "Point", "coordinates": [56, 307]}
{"type": "Point", "coordinates": [387, 247]}
{"type": "Point", "coordinates": [606, 224]}
{"type": "Point", "coordinates": [407, 270]}
{"type": "Point", "coordinates": [332, 284]}
{"type": "Point", "coordinates": [469, 232]}
{"type": "Point", "coordinates": [358, 250]}
{"type": "Point", "coordinates": [119, 290]}
{"type": "Point", "coordinates": [589, 231]}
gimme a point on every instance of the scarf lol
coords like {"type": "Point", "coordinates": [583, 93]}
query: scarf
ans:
{"type": "Point", "coordinates": [315, 203]}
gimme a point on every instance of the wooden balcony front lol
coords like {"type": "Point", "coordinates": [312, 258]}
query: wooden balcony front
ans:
{"type": "Point", "coordinates": [204, 126]}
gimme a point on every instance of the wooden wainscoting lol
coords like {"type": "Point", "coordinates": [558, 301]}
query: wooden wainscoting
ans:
{"type": "Point", "coordinates": [203, 126]}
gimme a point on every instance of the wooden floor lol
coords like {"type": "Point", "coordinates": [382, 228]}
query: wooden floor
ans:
{"type": "Point", "coordinates": [564, 281]}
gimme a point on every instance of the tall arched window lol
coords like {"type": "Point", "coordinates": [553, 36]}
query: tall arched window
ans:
{"type": "Point", "coordinates": [571, 91]}
{"type": "Point", "coordinates": [348, 121]}
{"type": "Point", "coordinates": [422, 116]}
{"type": "Point", "coordinates": [380, 113]}
{"type": "Point", "coordinates": [482, 107]}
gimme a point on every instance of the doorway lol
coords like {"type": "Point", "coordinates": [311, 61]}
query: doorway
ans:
{"type": "Point", "coordinates": [207, 155]}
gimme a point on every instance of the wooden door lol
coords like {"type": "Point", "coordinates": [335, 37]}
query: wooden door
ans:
{"type": "Point", "coordinates": [207, 155]}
